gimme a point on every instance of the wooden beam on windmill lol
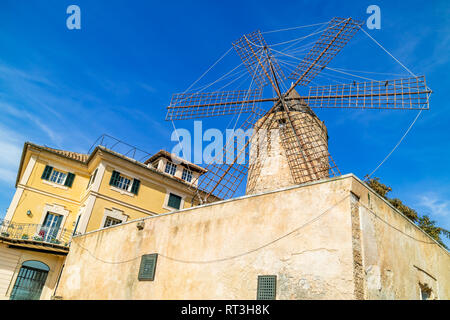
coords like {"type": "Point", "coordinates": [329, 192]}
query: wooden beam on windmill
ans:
{"type": "Point", "coordinates": [223, 179]}
{"type": "Point", "coordinates": [336, 36]}
{"type": "Point", "coordinates": [397, 94]}
{"type": "Point", "coordinates": [306, 134]}
{"type": "Point", "coordinates": [208, 104]}
{"type": "Point", "coordinates": [252, 49]}
{"type": "Point", "coordinates": [302, 135]}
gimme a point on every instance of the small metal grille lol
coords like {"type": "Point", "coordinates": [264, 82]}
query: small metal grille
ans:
{"type": "Point", "coordinates": [111, 222]}
{"type": "Point", "coordinates": [148, 266]}
{"type": "Point", "coordinates": [267, 287]}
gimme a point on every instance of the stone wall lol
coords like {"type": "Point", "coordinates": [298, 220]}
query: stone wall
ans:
{"type": "Point", "coordinates": [277, 161]}
{"type": "Point", "coordinates": [331, 239]}
{"type": "Point", "coordinates": [302, 235]}
{"type": "Point", "coordinates": [398, 256]}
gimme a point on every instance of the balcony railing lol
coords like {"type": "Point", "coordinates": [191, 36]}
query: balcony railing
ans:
{"type": "Point", "coordinates": [121, 147]}
{"type": "Point", "coordinates": [35, 233]}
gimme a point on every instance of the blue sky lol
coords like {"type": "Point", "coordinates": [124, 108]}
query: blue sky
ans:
{"type": "Point", "coordinates": [63, 88]}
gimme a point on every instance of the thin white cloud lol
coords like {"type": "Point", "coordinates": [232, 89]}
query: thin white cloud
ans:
{"type": "Point", "coordinates": [147, 87]}
{"type": "Point", "coordinates": [435, 205]}
{"type": "Point", "coordinates": [8, 176]}
{"type": "Point", "coordinates": [11, 149]}
{"type": "Point", "coordinates": [18, 113]}
{"type": "Point", "coordinates": [8, 72]}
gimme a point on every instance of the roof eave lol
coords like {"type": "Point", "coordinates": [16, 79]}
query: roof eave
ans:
{"type": "Point", "coordinates": [22, 158]}
{"type": "Point", "coordinates": [168, 155]}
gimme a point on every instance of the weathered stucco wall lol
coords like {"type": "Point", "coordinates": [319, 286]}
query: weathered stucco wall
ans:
{"type": "Point", "coordinates": [322, 240]}
{"type": "Point", "coordinates": [397, 255]}
{"type": "Point", "coordinates": [218, 251]}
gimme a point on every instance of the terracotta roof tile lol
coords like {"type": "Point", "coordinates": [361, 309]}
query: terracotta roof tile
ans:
{"type": "Point", "coordinates": [82, 157]}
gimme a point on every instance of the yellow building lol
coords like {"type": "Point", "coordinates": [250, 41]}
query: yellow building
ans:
{"type": "Point", "coordinates": [60, 193]}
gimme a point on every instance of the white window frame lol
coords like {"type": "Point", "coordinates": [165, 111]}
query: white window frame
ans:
{"type": "Point", "coordinates": [60, 177]}
{"type": "Point", "coordinates": [113, 220]}
{"type": "Point", "coordinates": [115, 214]}
{"type": "Point", "coordinates": [187, 173]}
{"type": "Point", "coordinates": [128, 175]}
{"type": "Point", "coordinates": [91, 180]}
{"type": "Point", "coordinates": [55, 209]}
{"type": "Point", "coordinates": [166, 200]}
{"type": "Point", "coordinates": [121, 184]}
{"type": "Point", "coordinates": [172, 168]}
{"type": "Point", "coordinates": [122, 190]}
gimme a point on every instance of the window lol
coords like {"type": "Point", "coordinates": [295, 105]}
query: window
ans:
{"type": "Point", "coordinates": [425, 295]}
{"type": "Point", "coordinates": [113, 216]}
{"type": "Point", "coordinates": [174, 201]}
{"type": "Point", "coordinates": [111, 222]}
{"type": "Point", "coordinates": [30, 281]}
{"type": "Point", "coordinates": [282, 123]}
{"type": "Point", "coordinates": [58, 177]}
{"type": "Point", "coordinates": [50, 227]}
{"type": "Point", "coordinates": [266, 287]}
{"type": "Point", "coordinates": [124, 183]}
{"type": "Point", "coordinates": [76, 225]}
{"type": "Point", "coordinates": [92, 179]}
{"type": "Point", "coordinates": [148, 266]}
{"type": "Point", "coordinates": [425, 292]}
{"type": "Point", "coordinates": [187, 175]}
{"type": "Point", "coordinates": [171, 168]}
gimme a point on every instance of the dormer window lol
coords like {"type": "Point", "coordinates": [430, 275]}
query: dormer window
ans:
{"type": "Point", "coordinates": [178, 168]}
{"type": "Point", "coordinates": [171, 168]}
{"type": "Point", "coordinates": [187, 175]}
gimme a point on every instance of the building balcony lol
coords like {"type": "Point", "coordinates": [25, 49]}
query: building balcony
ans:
{"type": "Point", "coordinates": [35, 236]}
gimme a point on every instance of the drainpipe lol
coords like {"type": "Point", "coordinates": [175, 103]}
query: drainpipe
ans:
{"type": "Point", "coordinates": [54, 297]}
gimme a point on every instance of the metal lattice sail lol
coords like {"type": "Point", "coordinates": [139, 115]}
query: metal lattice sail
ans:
{"type": "Point", "coordinates": [289, 143]}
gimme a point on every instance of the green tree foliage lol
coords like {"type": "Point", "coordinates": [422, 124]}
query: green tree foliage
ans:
{"type": "Point", "coordinates": [407, 211]}
{"type": "Point", "coordinates": [377, 186]}
{"type": "Point", "coordinates": [429, 226]}
{"type": "Point", "coordinates": [424, 222]}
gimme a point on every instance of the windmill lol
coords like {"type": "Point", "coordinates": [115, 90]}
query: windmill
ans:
{"type": "Point", "coordinates": [293, 138]}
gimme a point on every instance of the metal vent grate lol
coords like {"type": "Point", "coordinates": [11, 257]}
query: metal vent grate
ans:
{"type": "Point", "coordinates": [267, 287]}
{"type": "Point", "coordinates": [148, 266]}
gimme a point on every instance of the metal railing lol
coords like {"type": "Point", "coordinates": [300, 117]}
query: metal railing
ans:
{"type": "Point", "coordinates": [121, 147]}
{"type": "Point", "coordinates": [36, 233]}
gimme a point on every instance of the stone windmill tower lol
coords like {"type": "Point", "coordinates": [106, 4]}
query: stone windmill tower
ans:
{"type": "Point", "coordinates": [289, 144]}
{"type": "Point", "coordinates": [275, 162]}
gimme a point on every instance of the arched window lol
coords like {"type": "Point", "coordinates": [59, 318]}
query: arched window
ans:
{"type": "Point", "coordinates": [30, 281]}
{"type": "Point", "coordinates": [36, 264]}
